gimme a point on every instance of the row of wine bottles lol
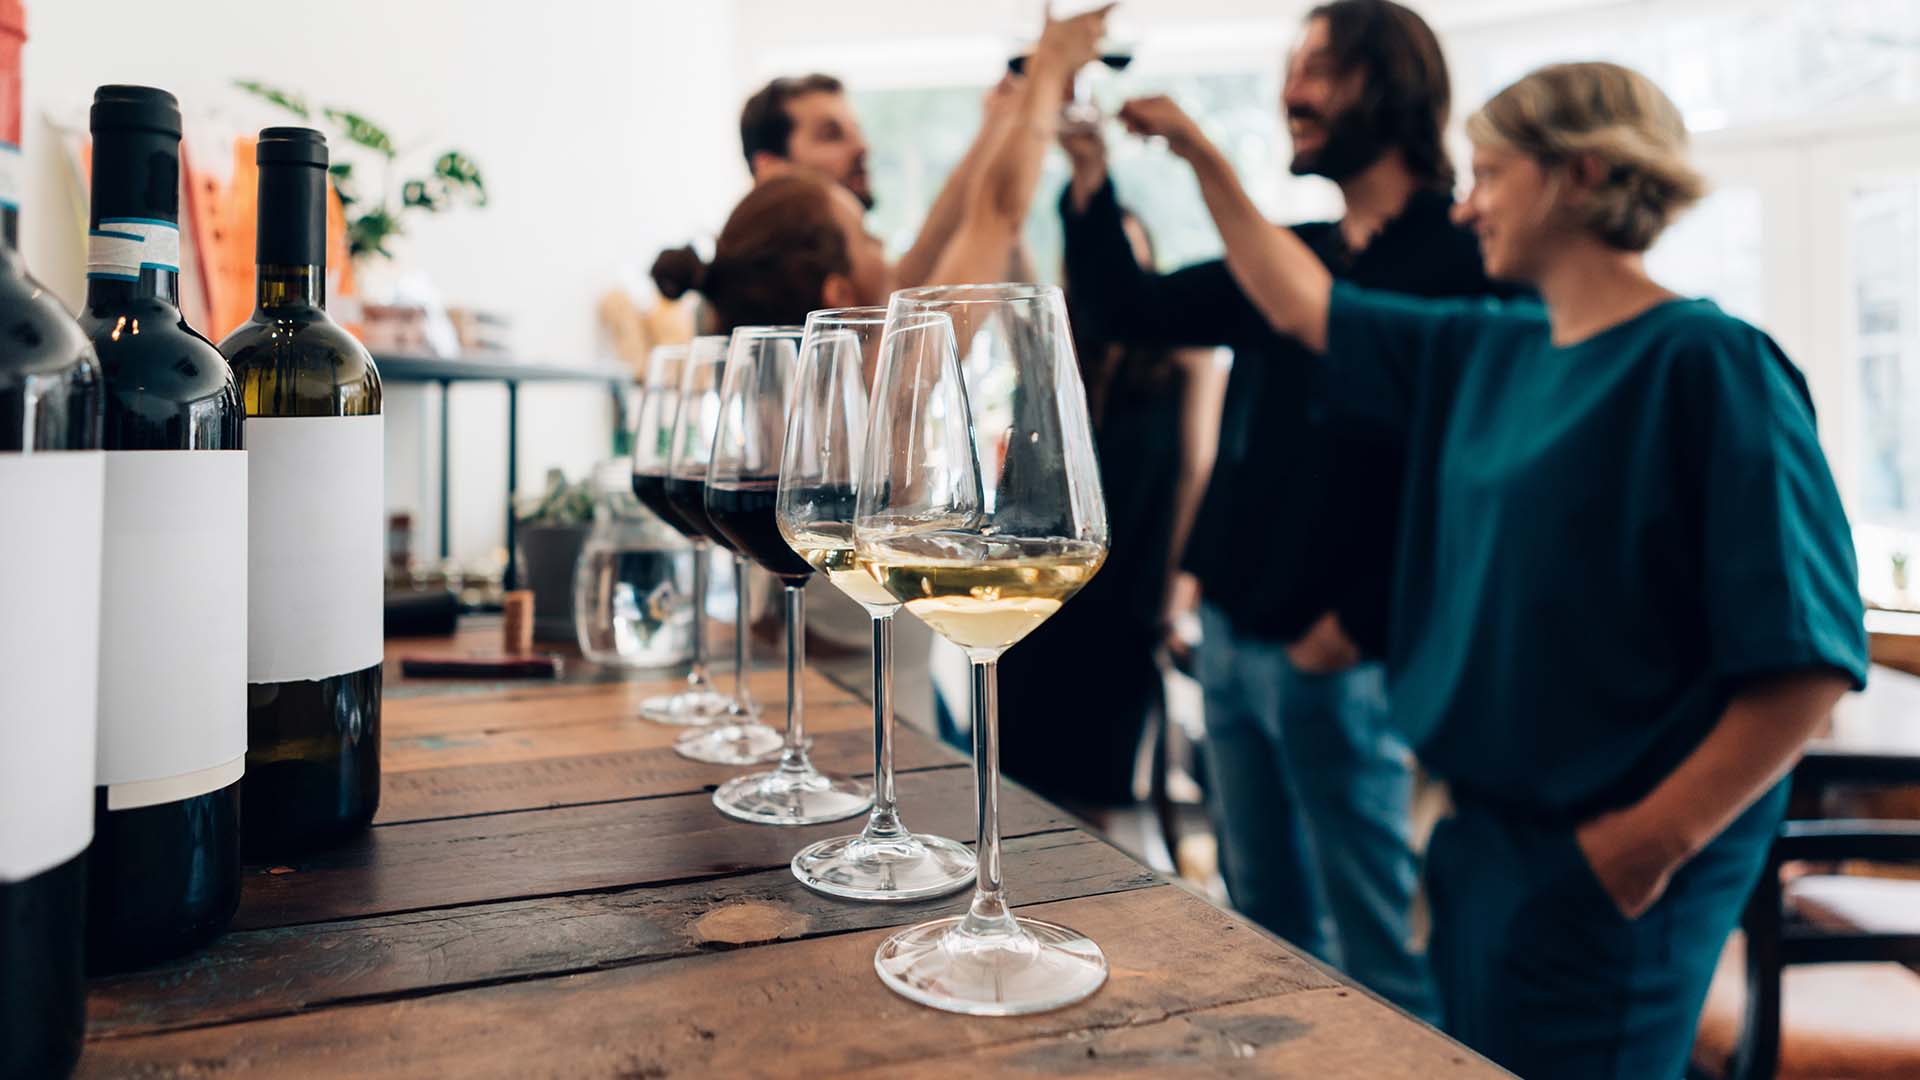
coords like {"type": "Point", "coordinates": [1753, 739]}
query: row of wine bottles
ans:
{"type": "Point", "coordinates": [190, 632]}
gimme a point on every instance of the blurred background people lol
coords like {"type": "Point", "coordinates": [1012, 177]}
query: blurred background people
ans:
{"type": "Point", "coordinates": [1615, 739]}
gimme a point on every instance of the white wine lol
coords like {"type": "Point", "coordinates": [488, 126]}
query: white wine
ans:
{"type": "Point", "coordinates": [982, 592]}
{"type": "Point", "coordinates": [828, 548]}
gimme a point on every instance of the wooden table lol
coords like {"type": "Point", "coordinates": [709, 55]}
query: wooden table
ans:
{"type": "Point", "coordinates": [548, 891]}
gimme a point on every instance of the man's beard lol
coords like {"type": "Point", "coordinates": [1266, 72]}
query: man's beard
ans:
{"type": "Point", "coordinates": [864, 189]}
{"type": "Point", "coordinates": [1353, 143]}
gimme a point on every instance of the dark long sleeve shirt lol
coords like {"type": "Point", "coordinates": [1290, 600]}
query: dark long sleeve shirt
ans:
{"type": "Point", "coordinates": [1301, 513]}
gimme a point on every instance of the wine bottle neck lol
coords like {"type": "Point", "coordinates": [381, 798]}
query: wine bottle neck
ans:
{"type": "Point", "coordinates": [290, 286]}
{"type": "Point", "coordinates": [152, 283]}
{"type": "Point", "coordinates": [10, 226]}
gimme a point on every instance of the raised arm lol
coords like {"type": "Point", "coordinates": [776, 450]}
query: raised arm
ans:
{"type": "Point", "coordinates": [998, 114]}
{"type": "Point", "coordinates": [997, 203]}
{"type": "Point", "coordinates": [1278, 272]}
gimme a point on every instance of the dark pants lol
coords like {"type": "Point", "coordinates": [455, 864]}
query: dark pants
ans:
{"type": "Point", "coordinates": [1539, 971]}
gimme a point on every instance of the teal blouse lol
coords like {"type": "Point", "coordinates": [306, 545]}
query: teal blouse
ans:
{"type": "Point", "coordinates": [1599, 544]}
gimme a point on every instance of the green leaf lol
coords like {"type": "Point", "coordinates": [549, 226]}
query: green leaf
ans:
{"type": "Point", "coordinates": [460, 171]}
{"type": "Point", "coordinates": [417, 193]}
{"type": "Point", "coordinates": [290, 102]}
{"type": "Point", "coordinates": [342, 173]}
{"type": "Point", "coordinates": [361, 130]}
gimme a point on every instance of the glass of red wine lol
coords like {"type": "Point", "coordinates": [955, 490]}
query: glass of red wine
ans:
{"type": "Point", "coordinates": [732, 738]}
{"type": "Point", "coordinates": [826, 433]}
{"type": "Point", "coordinates": [743, 483]}
{"type": "Point", "coordinates": [699, 703]}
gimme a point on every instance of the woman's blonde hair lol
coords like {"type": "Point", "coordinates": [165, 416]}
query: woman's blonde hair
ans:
{"type": "Point", "coordinates": [1615, 115]}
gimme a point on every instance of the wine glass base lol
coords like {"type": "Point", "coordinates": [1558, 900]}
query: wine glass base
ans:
{"type": "Point", "coordinates": [801, 798]}
{"type": "Point", "coordinates": [912, 868]}
{"type": "Point", "coordinates": [1040, 968]}
{"type": "Point", "coordinates": [687, 708]}
{"type": "Point", "coordinates": [731, 744]}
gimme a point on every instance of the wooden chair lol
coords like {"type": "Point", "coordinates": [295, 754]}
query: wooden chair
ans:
{"type": "Point", "coordinates": [1772, 1012]}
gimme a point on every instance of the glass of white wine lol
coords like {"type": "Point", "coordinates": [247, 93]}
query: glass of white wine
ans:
{"type": "Point", "coordinates": [819, 470]}
{"type": "Point", "coordinates": [979, 507]}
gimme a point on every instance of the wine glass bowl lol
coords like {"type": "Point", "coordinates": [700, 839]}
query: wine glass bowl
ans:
{"type": "Point", "coordinates": [979, 507]}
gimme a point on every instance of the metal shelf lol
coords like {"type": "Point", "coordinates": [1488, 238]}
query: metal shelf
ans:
{"type": "Point", "coordinates": [446, 371]}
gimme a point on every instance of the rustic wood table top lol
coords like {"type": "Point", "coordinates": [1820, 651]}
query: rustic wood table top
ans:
{"type": "Point", "coordinates": [548, 891]}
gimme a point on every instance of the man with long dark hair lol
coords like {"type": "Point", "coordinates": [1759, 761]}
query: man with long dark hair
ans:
{"type": "Point", "coordinates": [1310, 787]}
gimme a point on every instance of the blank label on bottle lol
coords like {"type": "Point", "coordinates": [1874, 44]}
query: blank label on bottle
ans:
{"type": "Point", "coordinates": [316, 549]}
{"type": "Point", "coordinates": [173, 625]}
{"type": "Point", "coordinates": [49, 650]}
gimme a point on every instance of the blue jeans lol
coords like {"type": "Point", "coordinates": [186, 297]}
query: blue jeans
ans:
{"type": "Point", "coordinates": [1310, 794]}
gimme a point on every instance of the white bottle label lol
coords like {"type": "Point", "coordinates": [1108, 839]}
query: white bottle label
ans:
{"type": "Point", "coordinates": [316, 546]}
{"type": "Point", "coordinates": [49, 652]}
{"type": "Point", "coordinates": [119, 248]}
{"type": "Point", "coordinates": [12, 169]}
{"type": "Point", "coordinates": [173, 625]}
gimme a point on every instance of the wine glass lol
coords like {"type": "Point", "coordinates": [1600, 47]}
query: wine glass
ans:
{"type": "Point", "coordinates": [979, 506]}
{"type": "Point", "coordinates": [741, 740]}
{"type": "Point", "coordinates": [742, 487]}
{"type": "Point", "coordinates": [652, 452]}
{"type": "Point", "coordinates": [819, 467]}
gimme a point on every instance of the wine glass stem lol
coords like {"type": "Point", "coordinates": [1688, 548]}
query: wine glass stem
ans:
{"type": "Point", "coordinates": [988, 913]}
{"type": "Point", "coordinates": [793, 757]}
{"type": "Point", "coordinates": [883, 823]}
{"type": "Point", "coordinates": [742, 703]}
{"type": "Point", "coordinates": [697, 676]}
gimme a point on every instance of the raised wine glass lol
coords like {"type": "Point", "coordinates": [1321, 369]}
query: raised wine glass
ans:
{"type": "Point", "coordinates": [826, 432]}
{"type": "Point", "coordinates": [652, 451]}
{"type": "Point", "coordinates": [742, 488]}
{"type": "Point", "coordinates": [979, 506]}
{"type": "Point", "coordinates": [732, 738]}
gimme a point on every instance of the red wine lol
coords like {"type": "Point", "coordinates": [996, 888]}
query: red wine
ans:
{"type": "Point", "coordinates": [1116, 61]}
{"type": "Point", "coordinates": [688, 496]}
{"type": "Point", "coordinates": [743, 510]}
{"type": "Point", "coordinates": [651, 490]}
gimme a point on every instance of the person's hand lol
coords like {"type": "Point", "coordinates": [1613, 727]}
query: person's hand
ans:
{"type": "Point", "coordinates": [1003, 98]}
{"type": "Point", "coordinates": [1631, 862]}
{"type": "Point", "coordinates": [1324, 649]}
{"type": "Point", "coordinates": [1160, 117]}
{"type": "Point", "coordinates": [1183, 596]}
{"type": "Point", "coordinates": [1067, 45]}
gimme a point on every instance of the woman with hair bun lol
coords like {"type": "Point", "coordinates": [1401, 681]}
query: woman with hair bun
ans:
{"type": "Point", "coordinates": [1625, 595]}
{"type": "Point", "coordinates": [796, 243]}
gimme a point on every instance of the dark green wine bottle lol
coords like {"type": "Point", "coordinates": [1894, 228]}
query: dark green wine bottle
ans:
{"type": "Point", "coordinates": [164, 869]}
{"type": "Point", "coordinates": [51, 477]}
{"type": "Point", "coordinates": [315, 521]}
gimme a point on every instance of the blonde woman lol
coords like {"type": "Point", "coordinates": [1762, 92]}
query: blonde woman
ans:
{"type": "Point", "coordinates": [1625, 593]}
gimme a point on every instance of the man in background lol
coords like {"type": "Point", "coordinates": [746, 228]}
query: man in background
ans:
{"type": "Point", "coordinates": [807, 122]}
{"type": "Point", "coordinates": [1310, 786]}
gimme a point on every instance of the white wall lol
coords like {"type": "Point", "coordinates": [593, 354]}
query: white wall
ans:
{"type": "Point", "coordinates": [605, 129]}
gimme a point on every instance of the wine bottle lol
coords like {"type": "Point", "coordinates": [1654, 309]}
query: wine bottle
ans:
{"type": "Point", "coordinates": [164, 871]}
{"type": "Point", "coordinates": [51, 476]}
{"type": "Point", "coordinates": [315, 526]}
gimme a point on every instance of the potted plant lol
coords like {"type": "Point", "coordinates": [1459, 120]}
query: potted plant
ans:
{"type": "Point", "coordinates": [551, 529]}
